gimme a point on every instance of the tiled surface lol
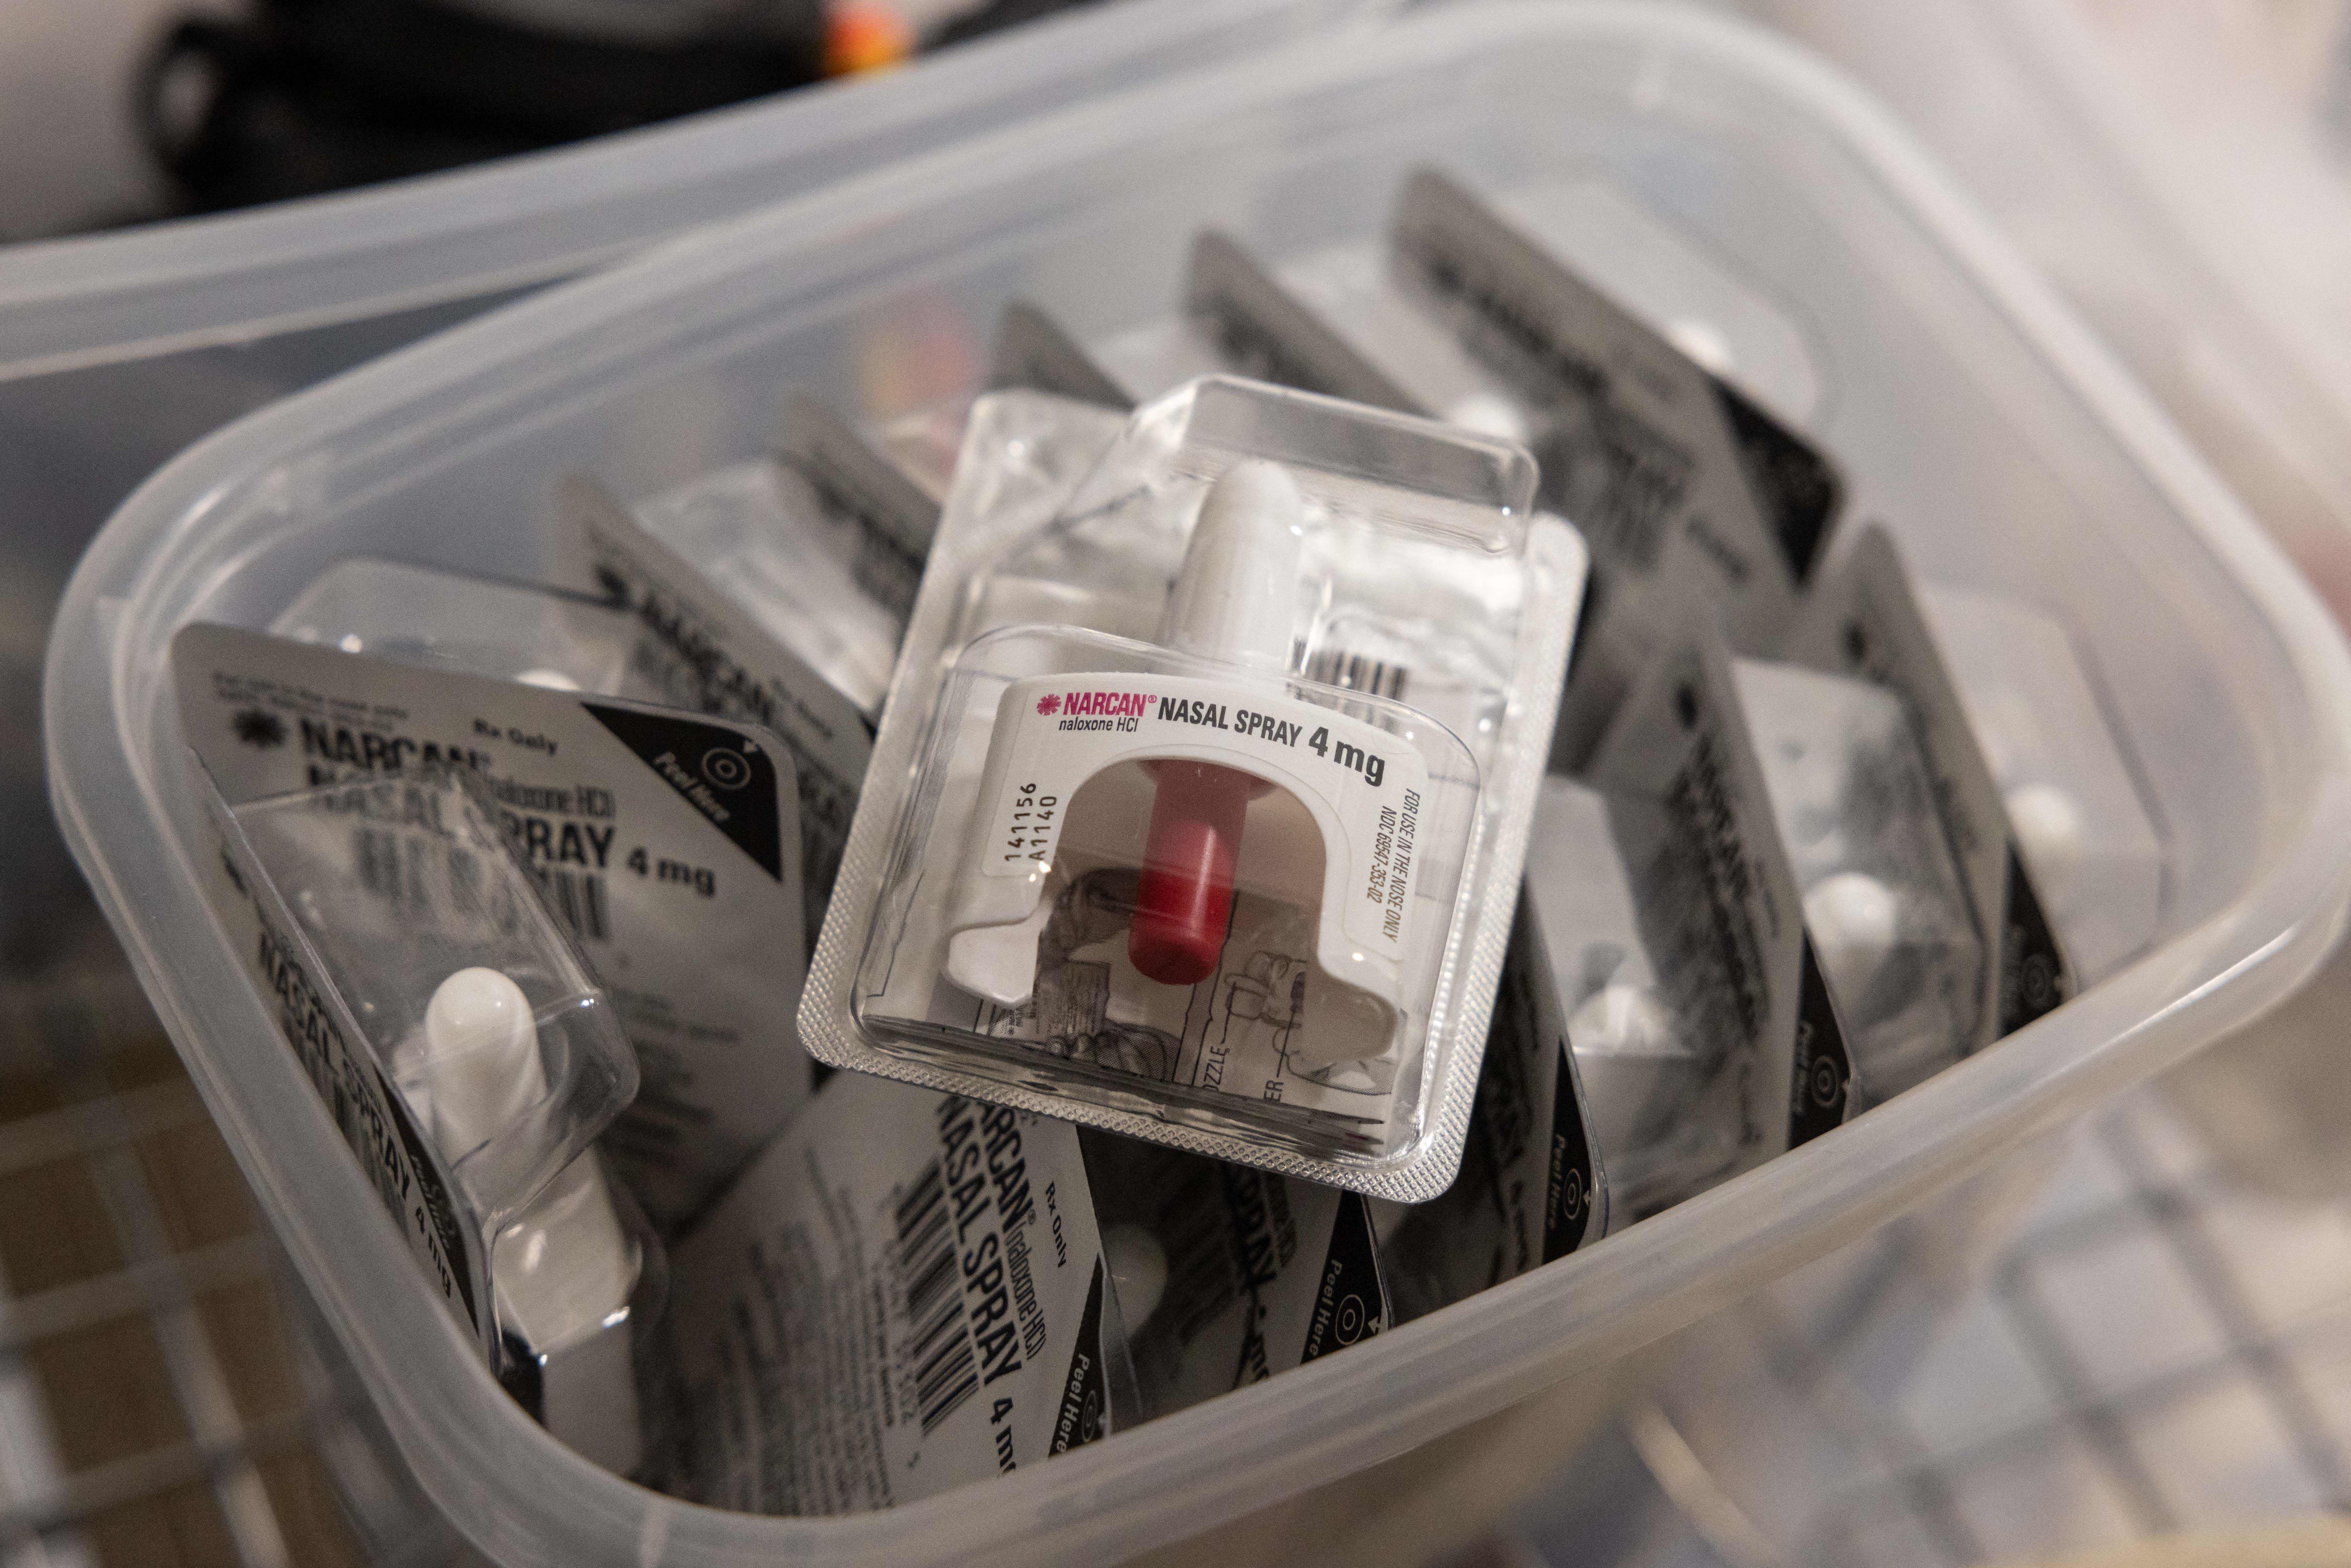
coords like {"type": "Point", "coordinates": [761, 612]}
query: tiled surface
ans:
{"type": "Point", "coordinates": [158, 1406]}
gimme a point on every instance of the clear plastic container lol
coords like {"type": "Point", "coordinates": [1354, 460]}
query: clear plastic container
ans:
{"type": "Point", "coordinates": [2005, 449]}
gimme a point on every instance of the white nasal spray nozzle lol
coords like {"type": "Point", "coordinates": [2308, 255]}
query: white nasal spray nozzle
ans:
{"type": "Point", "coordinates": [481, 1058]}
{"type": "Point", "coordinates": [1232, 601]}
{"type": "Point", "coordinates": [563, 1268]}
{"type": "Point", "coordinates": [1236, 594]}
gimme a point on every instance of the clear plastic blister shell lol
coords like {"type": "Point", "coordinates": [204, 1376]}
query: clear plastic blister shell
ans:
{"type": "Point", "coordinates": [404, 882]}
{"type": "Point", "coordinates": [1666, 1130]}
{"type": "Point", "coordinates": [2079, 819]}
{"type": "Point", "coordinates": [503, 1046]}
{"type": "Point", "coordinates": [1032, 351]}
{"type": "Point", "coordinates": [822, 542]}
{"type": "Point", "coordinates": [1238, 319]}
{"type": "Point", "coordinates": [1225, 1276]}
{"type": "Point", "coordinates": [452, 621]}
{"type": "Point", "coordinates": [1883, 901]}
{"type": "Point", "coordinates": [760, 531]}
{"type": "Point", "coordinates": [1387, 742]}
{"type": "Point", "coordinates": [580, 1275]}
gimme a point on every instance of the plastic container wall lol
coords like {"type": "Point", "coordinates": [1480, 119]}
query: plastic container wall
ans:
{"type": "Point", "coordinates": [2003, 447]}
{"type": "Point", "coordinates": [117, 350]}
{"type": "Point", "coordinates": [2179, 168]}
{"type": "Point", "coordinates": [470, 235]}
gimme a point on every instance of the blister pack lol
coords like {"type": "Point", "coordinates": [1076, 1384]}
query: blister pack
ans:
{"type": "Point", "coordinates": [1533, 1184]}
{"type": "Point", "coordinates": [1694, 499]}
{"type": "Point", "coordinates": [822, 542]}
{"type": "Point", "coordinates": [1227, 1275]}
{"type": "Point", "coordinates": [1640, 1070]}
{"type": "Point", "coordinates": [469, 1055]}
{"type": "Point", "coordinates": [1036, 351]}
{"type": "Point", "coordinates": [1235, 319]}
{"type": "Point", "coordinates": [1864, 620]}
{"type": "Point", "coordinates": [702, 650]}
{"type": "Point", "coordinates": [666, 842]}
{"type": "Point", "coordinates": [1209, 834]}
{"type": "Point", "coordinates": [2081, 823]}
{"type": "Point", "coordinates": [1715, 1044]}
{"type": "Point", "coordinates": [1889, 916]}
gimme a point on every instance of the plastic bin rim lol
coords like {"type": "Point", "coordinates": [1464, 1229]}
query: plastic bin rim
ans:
{"type": "Point", "coordinates": [467, 231]}
{"type": "Point", "coordinates": [1248, 1450]}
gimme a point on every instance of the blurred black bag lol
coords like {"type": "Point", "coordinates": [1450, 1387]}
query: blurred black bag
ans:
{"type": "Point", "coordinates": [317, 95]}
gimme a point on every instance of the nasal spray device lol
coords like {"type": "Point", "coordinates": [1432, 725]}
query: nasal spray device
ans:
{"type": "Point", "coordinates": [1197, 810]}
{"type": "Point", "coordinates": [566, 1267]}
{"type": "Point", "coordinates": [564, 1270]}
{"type": "Point", "coordinates": [469, 1051]}
{"type": "Point", "coordinates": [1232, 601]}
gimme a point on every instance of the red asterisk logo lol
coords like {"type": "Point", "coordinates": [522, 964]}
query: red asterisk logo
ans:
{"type": "Point", "coordinates": [1049, 704]}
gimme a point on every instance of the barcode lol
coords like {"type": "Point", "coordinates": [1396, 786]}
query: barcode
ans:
{"type": "Point", "coordinates": [579, 901]}
{"type": "Point", "coordinates": [431, 878]}
{"type": "Point", "coordinates": [938, 1339]}
{"type": "Point", "coordinates": [382, 865]}
{"type": "Point", "coordinates": [1354, 673]}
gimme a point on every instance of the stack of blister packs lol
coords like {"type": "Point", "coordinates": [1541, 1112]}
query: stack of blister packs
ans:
{"type": "Point", "coordinates": [1283, 817]}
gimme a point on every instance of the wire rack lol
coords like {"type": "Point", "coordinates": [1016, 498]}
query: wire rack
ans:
{"type": "Point", "coordinates": [162, 1401]}
{"type": "Point", "coordinates": [2161, 1348]}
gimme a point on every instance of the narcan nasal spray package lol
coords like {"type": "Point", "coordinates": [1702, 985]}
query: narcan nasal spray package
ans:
{"type": "Point", "coordinates": [468, 1055]}
{"type": "Point", "coordinates": [1865, 620]}
{"type": "Point", "coordinates": [667, 842]}
{"type": "Point", "coordinates": [1198, 808]}
{"type": "Point", "coordinates": [1235, 319]}
{"type": "Point", "coordinates": [1532, 1186]}
{"type": "Point", "coordinates": [1635, 991]}
{"type": "Point", "coordinates": [474, 625]}
{"type": "Point", "coordinates": [820, 542]}
{"type": "Point", "coordinates": [905, 1293]}
{"type": "Point", "coordinates": [1889, 916]}
{"type": "Point", "coordinates": [2073, 800]}
{"type": "Point", "coordinates": [1696, 500]}
{"type": "Point", "coordinates": [1227, 1274]}
{"type": "Point", "coordinates": [1729, 1045]}
{"type": "Point", "coordinates": [1034, 350]}
{"type": "Point", "coordinates": [704, 651]}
